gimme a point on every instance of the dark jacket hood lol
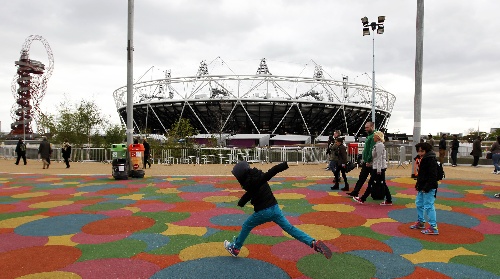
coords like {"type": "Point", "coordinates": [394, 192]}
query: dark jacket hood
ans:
{"type": "Point", "coordinates": [240, 170]}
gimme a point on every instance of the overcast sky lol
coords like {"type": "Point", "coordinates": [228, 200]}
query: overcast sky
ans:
{"type": "Point", "coordinates": [461, 79]}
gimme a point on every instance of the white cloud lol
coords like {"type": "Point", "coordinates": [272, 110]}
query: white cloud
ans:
{"type": "Point", "coordinates": [88, 39]}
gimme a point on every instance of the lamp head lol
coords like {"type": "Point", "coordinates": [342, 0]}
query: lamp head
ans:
{"type": "Point", "coordinates": [364, 20]}
{"type": "Point", "coordinates": [381, 19]}
{"type": "Point", "coordinates": [380, 29]}
{"type": "Point", "coordinates": [366, 31]}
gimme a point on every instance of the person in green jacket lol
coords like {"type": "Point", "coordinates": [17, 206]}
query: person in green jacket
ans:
{"type": "Point", "coordinates": [366, 166]}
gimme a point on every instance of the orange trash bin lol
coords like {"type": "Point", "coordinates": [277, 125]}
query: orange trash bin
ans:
{"type": "Point", "coordinates": [136, 158]}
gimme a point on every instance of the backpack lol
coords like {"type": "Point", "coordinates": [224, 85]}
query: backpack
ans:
{"type": "Point", "coordinates": [22, 147]}
{"type": "Point", "coordinates": [440, 171]}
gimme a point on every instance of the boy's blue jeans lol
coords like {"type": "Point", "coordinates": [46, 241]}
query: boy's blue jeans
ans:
{"type": "Point", "coordinates": [425, 205]}
{"type": "Point", "coordinates": [275, 215]}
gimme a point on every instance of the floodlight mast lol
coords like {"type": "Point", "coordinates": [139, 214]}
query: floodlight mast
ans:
{"type": "Point", "coordinates": [366, 31]}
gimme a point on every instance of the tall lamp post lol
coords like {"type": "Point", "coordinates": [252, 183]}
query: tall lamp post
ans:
{"type": "Point", "coordinates": [366, 31]}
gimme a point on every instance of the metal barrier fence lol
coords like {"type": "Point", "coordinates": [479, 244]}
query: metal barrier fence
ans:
{"type": "Point", "coordinates": [400, 154]}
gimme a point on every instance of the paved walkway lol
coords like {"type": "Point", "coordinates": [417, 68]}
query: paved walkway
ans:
{"type": "Point", "coordinates": [84, 226]}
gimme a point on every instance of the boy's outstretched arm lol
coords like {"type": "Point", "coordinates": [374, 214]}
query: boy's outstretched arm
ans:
{"type": "Point", "coordinates": [275, 170]}
{"type": "Point", "coordinates": [244, 199]}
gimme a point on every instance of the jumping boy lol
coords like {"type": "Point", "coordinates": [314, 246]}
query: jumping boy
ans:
{"type": "Point", "coordinates": [258, 192]}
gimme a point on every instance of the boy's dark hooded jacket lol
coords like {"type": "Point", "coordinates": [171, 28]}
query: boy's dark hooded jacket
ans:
{"type": "Point", "coordinates": [255, 183]}
{"type": "Point", "coordinates": [427, 173]}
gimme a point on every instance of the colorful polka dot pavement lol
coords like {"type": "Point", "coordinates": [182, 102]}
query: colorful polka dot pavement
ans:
{"type": "Point", "coordinates": [174, 227]}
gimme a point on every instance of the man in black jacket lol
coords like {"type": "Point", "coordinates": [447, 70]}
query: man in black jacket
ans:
{"type": "Point", "coordinates": [21, 151]}
{"type": "Point", "coordinates": [260, 195]}
{"type": "Point", "coordinates": [455, 144]}
{"type": "Point", "coordinates": [442, 148]}
{"type": "Point", "coordinates": [426, 186]}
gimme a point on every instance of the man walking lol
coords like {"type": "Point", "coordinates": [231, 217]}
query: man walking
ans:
{"type": "Point", "coordinates": [442, 148]}
{"type": "Point", "coordinates": [147, 151]}
{"type": "Point", "coordinates": [21, 151]}
{"type": "Point", "coordinates": [66, 152]}
{"type": "Point", "coordinates": [476, 151]}
{"type": "Point", "coordinates": [366, 167]}
{"type": "Point", "coordinates": [454, 150]}
{"type": "Point", "coordinates": [45, 151]}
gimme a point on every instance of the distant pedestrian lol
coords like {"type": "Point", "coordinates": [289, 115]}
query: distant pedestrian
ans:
{"type": "Point", "coordinates": [430, 140]}
{"type": "Point", "coordinates": [333, 157]}
{"type": "Point", "coordinates": [366, 167]}
{"type": "Point", "coordinates": [340, 165]}
{"type": "Point", "coordinates": [259, 194]}
{"type": "Point", "coordinates": [476, 151]}
{"type": "Point", "coordinates": [442, 148]}
{"type": "Point", "coordinates": [495, 155]}
{"type": "Point", "coordinates": [379, 167]}
{"type": "Point", "coordinates": [426, 187]}
{"type": "Point", "coordinates": [147, 154]}
{"type": "Point", "coordinates": [21, 151]}
{"type": "Point", "coordinates": [66, 152]}
{"type": "Point", "coordinates": [45, 151]}
{"type": "Point", "coordinates": [454, 150]}
{"type": "Point", "coordinates": [331, 140]}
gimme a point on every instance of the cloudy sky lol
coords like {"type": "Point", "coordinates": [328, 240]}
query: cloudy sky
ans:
{"type": "Point", "coordinates": [461, 79]}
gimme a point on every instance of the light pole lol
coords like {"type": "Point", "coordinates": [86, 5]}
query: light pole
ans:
{"type": "Point", "coordinates": [366, 31]}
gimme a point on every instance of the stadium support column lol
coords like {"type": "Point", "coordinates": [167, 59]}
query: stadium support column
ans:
{"type": "Point", "coordinates": [130, 73]}
{"type": "Point", "coordinates": [419, 57]}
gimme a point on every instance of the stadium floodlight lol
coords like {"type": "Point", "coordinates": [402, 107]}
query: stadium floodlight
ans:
{"type": "Point", "coordinates": [366, 31]}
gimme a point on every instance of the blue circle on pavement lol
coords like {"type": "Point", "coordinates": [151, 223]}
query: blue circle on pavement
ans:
{"type": "Point", "coordinates": [58, 225]}
{"type": "Point", "coordinates": [229, 219]}
{"type": "Point", "coordinates": [222, 267]}
{"type": "Point", "coordinates": [443, 216]}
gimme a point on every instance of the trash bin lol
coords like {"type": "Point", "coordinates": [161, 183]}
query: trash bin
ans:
{"type": "Point", "coordinates": [120, 168]}
{"type": "Point", "coordinates": [118, 151]}
{"type": "Point", "coordinates": [119, 164]}
{"type": "Point", "coordinates": [136, 159]}
{"type": "Point", "coordinates": [353, 148]}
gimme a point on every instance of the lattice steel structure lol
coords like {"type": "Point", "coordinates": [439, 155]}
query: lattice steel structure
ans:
{"type": "Point", "coordinates": [260, 103]}
{"type": "Point", "coordinates": [28, 87]}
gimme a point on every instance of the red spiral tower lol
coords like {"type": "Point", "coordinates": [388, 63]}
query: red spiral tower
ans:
{"type": "Point", "coordinates": [28, 87]}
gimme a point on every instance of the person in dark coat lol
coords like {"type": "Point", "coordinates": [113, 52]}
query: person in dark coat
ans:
{"type": "Point", "coordinates": [45, 151]}
{"type": "Point", "coordinates": [259, 194]}
{"type": "Point", "coordinates": [442, 148]}
{"type": "Point", "coordinates": [21, 151]}
{"type": "Point", "coordinates": [340, 165]}
{"type": "Point", "coordinates": [147, 153]}
{"type": "Point", "coordinates": [454, 150]}
{"type": "Point", "coordinates": [66, 152]}
{"type": "Point", "coordinates": [426, 186]}
{"type": "Point", "coordinates": [476, 151]}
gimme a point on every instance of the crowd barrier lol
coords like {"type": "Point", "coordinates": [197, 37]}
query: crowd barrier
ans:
{"type": "Point", "coordinates": [397, 154]}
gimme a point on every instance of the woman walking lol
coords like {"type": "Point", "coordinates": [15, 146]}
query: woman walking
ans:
{"type": "Point", "coordinates": [379, 166]}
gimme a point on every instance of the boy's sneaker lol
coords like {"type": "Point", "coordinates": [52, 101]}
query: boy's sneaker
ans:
{"type": "Point", "coordinates": [418, 225]}
{"type": "Point", "coordinates": [230, 248]}
{"type": "Point", "coordinates": [430, 230]}
{"type": "Point", "coordinates": [386, 203]}
{"type": "Point", "coordinates": [321, 247]}
{"type": "Point", "coordinates": [358, 200]}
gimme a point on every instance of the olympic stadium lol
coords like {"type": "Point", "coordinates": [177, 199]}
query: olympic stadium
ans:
{"type": "Point", "coordinates": [260, 103]}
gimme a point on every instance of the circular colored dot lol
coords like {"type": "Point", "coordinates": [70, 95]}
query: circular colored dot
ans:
{"type": "Point", "coordinates": [118, 225]}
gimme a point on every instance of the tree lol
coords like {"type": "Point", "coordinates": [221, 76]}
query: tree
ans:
{"type": "Point", "coordinates": [114, 134]}
{"type": "Point", "coordinates": [79, 123]}
{"type": "Point", "coordinates": [181, 131]}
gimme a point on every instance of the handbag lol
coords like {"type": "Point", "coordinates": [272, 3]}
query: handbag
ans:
{"type": "Point", "coordinates": [488, 155]}
{"type": "Point", "coordinates": [349, 166]}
